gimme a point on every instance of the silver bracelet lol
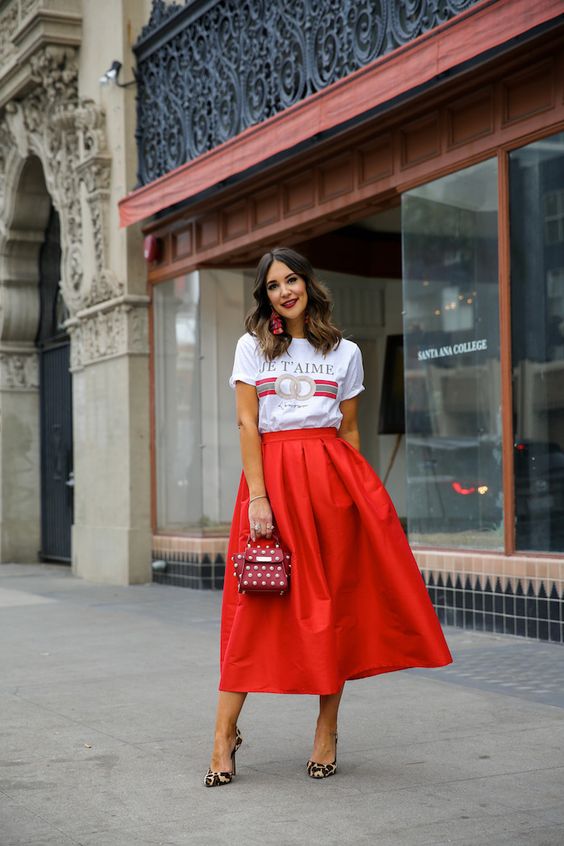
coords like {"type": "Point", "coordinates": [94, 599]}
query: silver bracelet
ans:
{"type": "Point", "coordinates": [260, 496]}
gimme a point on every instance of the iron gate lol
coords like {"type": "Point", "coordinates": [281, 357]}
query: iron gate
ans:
{"type": "Point", "coordinates": [55, 398]}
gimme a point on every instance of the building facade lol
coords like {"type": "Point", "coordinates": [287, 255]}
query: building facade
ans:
{"type": "Point", "coordinates": [415, 153]}
{"type": "Point", "coordinates": [74, 350]}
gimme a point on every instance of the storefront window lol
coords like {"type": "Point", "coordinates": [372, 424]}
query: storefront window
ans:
{"type": "Point", "coordinates": [452, 369]}
{"type": "Point", "coordinates": [537, 312]}
{"type": "Point", "coordinates": [197, 321]}
{"type": "Point", "coordinates": [177, 403]}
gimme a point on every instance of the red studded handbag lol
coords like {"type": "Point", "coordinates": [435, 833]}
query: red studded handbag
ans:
{"type": "Point", "coordinates": [263, 567]}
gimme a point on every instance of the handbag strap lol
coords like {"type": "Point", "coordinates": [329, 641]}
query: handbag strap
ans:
{"type": "Point", "coordinates": [275, 537]}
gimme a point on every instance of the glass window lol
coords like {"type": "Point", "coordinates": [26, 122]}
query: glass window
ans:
{"type": "Point", "coordinates": [452, 377]}
{"type": "Point", "coordinates": [197, 321]}
{"type": "Point", "coordinates": [177, 403]}
{"type": "Point", "coordinates": [536, 183]}
{"type": "Point", "coordinates": [553, 215]}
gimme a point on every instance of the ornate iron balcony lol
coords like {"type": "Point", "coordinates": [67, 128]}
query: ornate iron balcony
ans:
{"type": "Point", "coordinates": [207, 70]}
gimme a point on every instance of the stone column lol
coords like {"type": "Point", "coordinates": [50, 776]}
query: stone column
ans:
{"type": "Point", "coordinates": [63, 136]}
{"type": "Point", "coordinates": [111, 537]}
{"type": "Point", "coordinates": [19, 453]}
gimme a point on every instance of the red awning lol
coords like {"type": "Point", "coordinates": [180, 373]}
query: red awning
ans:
{"type": "Point", "coordinates": [483, 27]}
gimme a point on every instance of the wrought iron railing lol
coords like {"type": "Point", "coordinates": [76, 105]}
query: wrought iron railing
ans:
{"type": "Point", "coordinates": [207, 70]}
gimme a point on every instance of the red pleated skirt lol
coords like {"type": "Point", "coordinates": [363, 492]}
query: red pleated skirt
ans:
{"type": "Point", "coordinates": [357, 606]}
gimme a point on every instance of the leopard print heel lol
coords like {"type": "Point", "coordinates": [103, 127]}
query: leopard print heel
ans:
{"type": "Point", "coordinates": [215, 778]}
{"type": "Point", "coordinates": [315, 770]}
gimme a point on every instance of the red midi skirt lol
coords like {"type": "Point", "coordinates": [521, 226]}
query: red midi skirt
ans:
{"type": "Point", "coordinates": [357, 605]}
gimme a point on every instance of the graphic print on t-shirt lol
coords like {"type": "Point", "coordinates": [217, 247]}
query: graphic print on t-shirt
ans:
{"type": "Point", "coordinates": [288, 386]}
{"type": "Point", "coordinates": [302, 388]}
{"type": "Point", "coordinates": [295, 383]}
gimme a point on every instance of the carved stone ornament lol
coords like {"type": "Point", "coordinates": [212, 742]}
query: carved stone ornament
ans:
{"type": "Point", "coordinates": [12, 16]}
{"type": "Point", "coordinates": [19, 370]}
{"type": "Point", "coordinates": [68, 136]}
{"type": "Point", "coordinates": [109, 330]}
{"type": "Point", "coordinates": [9, 20]}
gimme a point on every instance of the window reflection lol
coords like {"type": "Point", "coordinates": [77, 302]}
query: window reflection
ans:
{"type": "Point", "coordinates": [197, 320]}
{"type": "Point", "coordinates": [177, 403]}
{"type": "Point", "coordinates": [453, 419]}
{"type": "Point", "coordinates": [537, 311]}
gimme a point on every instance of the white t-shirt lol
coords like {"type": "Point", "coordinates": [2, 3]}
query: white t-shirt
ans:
{"type": "Point", "coordinates": [301, 389]}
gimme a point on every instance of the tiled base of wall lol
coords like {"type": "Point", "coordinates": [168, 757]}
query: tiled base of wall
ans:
{"type": "Point", "coordinates": [479, 591]}
{"type": "Point", "coordinates": [199, 575]}
{"type": "Point", "coordinates": [197, 563]}
{"type": "Point", "coordinates": [492, 608]}
{"type": "Point", "coordinates": [496, 593]}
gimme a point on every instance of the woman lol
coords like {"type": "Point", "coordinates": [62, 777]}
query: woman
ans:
{"type": "Point", "coordinates": [357, 604]}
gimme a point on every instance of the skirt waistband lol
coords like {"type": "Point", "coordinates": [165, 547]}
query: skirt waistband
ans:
{"type": "Point", "coordinates": [299, 434]}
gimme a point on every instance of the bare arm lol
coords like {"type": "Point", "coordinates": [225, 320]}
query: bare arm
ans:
{"type": "Point", "coordinates": [251, 456]}
{"type": "Point", "coordinates": [348, 429]}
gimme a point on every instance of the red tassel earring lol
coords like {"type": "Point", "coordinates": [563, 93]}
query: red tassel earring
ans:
{"type": "Point", "coordinates": [275, 324]}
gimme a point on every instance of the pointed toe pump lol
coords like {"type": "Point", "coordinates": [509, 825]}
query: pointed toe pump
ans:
{"type": "Point", "coordinates": [315, 770]}
{"type": "Point", "coordinates": [215, 778]}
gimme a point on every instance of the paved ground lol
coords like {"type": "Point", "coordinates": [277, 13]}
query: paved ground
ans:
{"type": "Point", "coordinates": [107, 701]}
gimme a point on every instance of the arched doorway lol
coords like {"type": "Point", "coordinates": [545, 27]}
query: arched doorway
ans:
{"type": "Point", "coordinates": [55, 403]}
{"type": "Point", "coordinates": [35, 382]}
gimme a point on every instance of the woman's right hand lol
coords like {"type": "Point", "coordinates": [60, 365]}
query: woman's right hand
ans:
{"type": "Point", "coordinates": [260, 512]}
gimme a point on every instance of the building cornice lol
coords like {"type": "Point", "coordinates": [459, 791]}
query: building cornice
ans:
{"type": "Point", "coordinates": [27, 28]}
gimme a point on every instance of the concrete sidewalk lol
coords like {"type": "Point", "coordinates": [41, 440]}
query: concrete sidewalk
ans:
{"type": "Point", "coordinates": [107, 699]}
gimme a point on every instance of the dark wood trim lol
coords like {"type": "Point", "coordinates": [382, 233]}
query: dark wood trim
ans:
{"type": "Point", "coordinates": [553, 556]}
{"type": "Point", "coordinates": [459, 550]}
{"type": "Point", "coordinates": [506, 396]}
{"type": "Point", "coordinates": [152, 411]}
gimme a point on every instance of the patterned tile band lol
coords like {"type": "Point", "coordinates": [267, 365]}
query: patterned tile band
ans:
{"type": "Point", "coordinates": [297, 387]}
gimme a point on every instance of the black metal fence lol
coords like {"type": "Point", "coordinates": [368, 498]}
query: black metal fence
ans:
{"type": "Point", "coordinates": [207, 70]}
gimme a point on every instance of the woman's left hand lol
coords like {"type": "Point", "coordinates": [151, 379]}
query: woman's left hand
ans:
{"type": "Point", "coordinates": [260, 514]}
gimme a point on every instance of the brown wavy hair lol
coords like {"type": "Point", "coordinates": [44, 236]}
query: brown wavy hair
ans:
{"type": "Point", "coordinates": [320, 330]}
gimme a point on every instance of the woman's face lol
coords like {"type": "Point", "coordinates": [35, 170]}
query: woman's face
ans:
{"type": "Point", "coordinates": [286, 291]}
